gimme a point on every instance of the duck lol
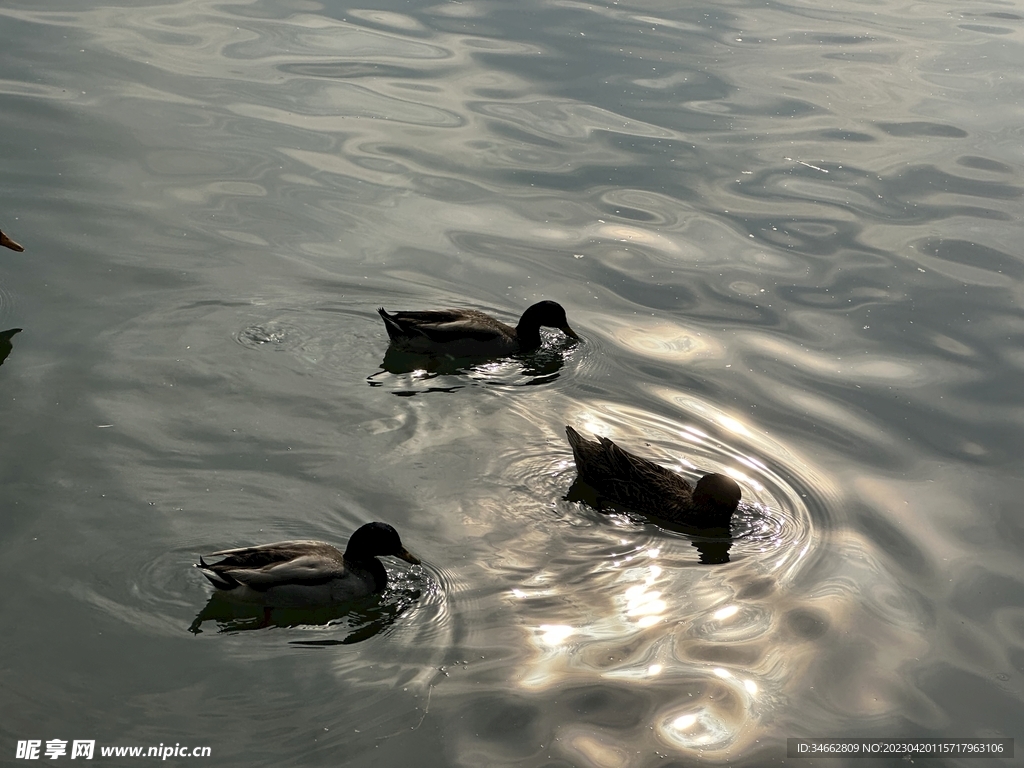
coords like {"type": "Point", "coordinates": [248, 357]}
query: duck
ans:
{"type": "Point", "coordinates": [469, 333]}
{"type": "Point", "coordinates": [304, 574]}
{"type": "Point", "coordinates": [642, 485]}
{"type": "Point", "coordinates": [8, 243]}
{"type": "Point", "coordinates": [5, 342]}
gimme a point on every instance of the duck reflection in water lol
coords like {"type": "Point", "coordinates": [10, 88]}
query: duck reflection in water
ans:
{"type": "Point", "coordinates": [5, 343]}
{"type": "Point", "coordinates": [303, 576]}
{"type": "Point", "coordinates": [608, 475]}
{"type": "Point", "coordinates": [359, 619]}
{"type": "Point", "coordinates": [539, 367]}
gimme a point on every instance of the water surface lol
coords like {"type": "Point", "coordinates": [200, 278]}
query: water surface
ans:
{"type": "Point", "coordinates": [788, 235]}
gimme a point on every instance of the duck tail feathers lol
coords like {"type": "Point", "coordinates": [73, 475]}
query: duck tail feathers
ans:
{"type": "Point", "coordinates": [219, 580]}
{"type": "Point", "coordinates": [394, 330]}
{"type": "Point", "coordinates": [576, 442]}
{"type": "Point", "coordinates": [582, 449]}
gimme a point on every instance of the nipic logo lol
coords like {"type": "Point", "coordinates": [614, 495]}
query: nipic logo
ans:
{"type": "Point", "coordinates": [28, 749]}
{"type": "Point", "coordinates": [34, 749]}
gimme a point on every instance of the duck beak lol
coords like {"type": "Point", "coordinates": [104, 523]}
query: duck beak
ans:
{"type": "Point", "coordinates": [408, 556]}
{"type": "Point", "coordinates": [569, 332]}
{"type": "Point", "coordinates": [7, 242]}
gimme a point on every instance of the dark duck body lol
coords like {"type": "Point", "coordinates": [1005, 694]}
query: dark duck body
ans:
{"type": "Point", "coordinates": [469, 333]}
{"type": "Point", "coordinates": [646, 487]}
{"type": "Point", "coordinates": [5, 342]}
{"type": "Point", "coordinates": [307, 573]}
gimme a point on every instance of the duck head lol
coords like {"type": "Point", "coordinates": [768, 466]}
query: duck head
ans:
{"type": "Point", "coordinates": [377, 539]}
{"type": "Point", "coordinates": [717, 496]}
{"type": "Point", "coordinates": [548, 314]}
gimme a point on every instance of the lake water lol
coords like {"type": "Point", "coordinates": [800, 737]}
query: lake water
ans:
{"type": "Point", "coordinates": [789, 236]}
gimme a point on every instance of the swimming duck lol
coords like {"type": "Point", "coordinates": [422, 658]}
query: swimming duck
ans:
{"type": "Point", "coordinates": [292, 574]}
{"type": "Point", "coordinates": [642, 485]}
{"type": "Point", "coordinates": [8, 243]}
{"type": "Point", "coordinates": [469, 333]}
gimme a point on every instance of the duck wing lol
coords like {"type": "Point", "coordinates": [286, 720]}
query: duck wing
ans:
{"type": "Point", "coordinates": [633, 469]}
{"type": "Point", "coordinates": [443, 326]}
{"type": "Point", "coordinates": [608, 467]}
{"type": "Point", "coordinates": [300, 571]}
{"type": "Point", "coordinates": [273, 565]}
{"type": "Point", "coordinates": [269, 554]}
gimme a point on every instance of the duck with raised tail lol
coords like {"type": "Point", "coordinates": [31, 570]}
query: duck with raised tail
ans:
{"type": "Point", "coordinates": [306, 574]}
{"type": "Point", "coordinates": [469, 333]}
{"type": "Point", "coordinates": [642, 485]}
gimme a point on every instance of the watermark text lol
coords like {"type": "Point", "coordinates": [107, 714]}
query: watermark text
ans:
{"type": "Point", "coordinates": [54, 749]}
{"type": "Point", "coordinates": [923, 747]}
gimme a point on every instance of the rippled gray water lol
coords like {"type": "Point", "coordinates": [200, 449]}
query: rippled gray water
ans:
{"type": "Point", "coordinates": [788, 235]}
